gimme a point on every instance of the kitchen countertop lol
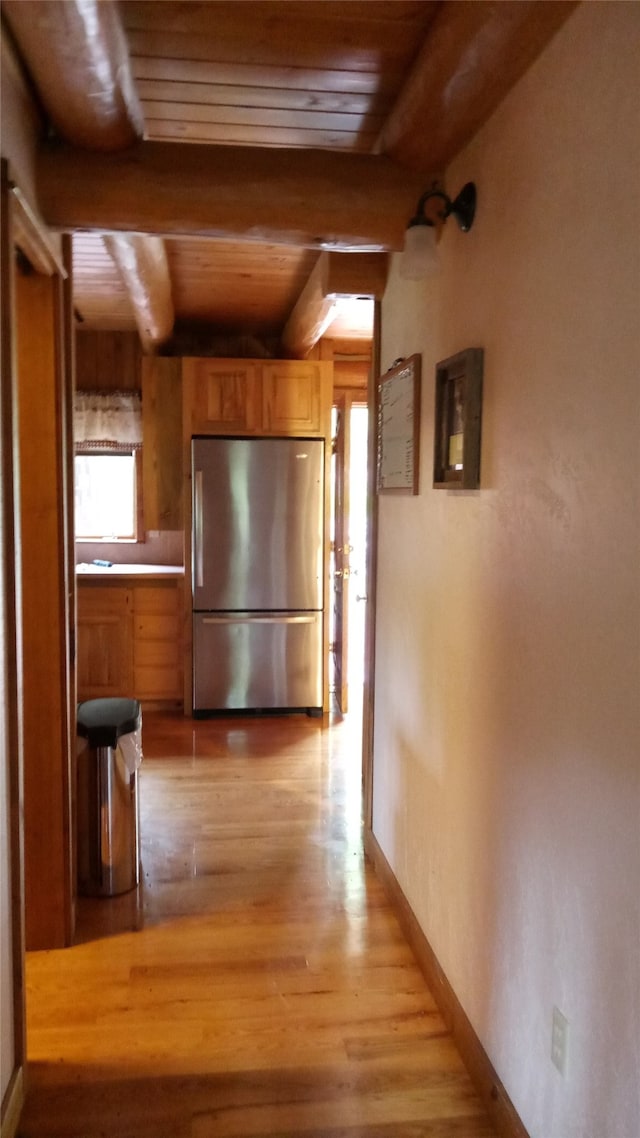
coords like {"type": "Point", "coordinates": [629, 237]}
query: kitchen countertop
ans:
{"type": "Point", "coordinates": [105, 573]}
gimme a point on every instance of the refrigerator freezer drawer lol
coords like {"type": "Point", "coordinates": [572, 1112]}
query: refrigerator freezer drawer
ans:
{"type": "Point", "coordinates": [257, 660]}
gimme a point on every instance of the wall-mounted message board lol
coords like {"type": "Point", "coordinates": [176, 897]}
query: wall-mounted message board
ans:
{"type": "Point", "coordinates": [399, 428]}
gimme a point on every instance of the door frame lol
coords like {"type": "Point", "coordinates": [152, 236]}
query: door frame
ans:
{"type": "Point", "coordinates": [368, 706]}
{"type": "Point", "coordinates": [13, 1099]}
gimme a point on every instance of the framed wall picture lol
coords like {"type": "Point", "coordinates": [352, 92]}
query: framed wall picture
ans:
{"type": "Point", "coordinates": [456, 452]}
{"type": "Point", "coordinates": [398, 393]}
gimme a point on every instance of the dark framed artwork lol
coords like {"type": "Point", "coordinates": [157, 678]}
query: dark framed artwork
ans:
{"type": "Point", "coordinates": [398, 394]}
{"type": "Point", "coordinates": [456, 452]}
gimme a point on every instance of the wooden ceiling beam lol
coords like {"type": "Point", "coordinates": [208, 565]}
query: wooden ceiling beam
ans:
{"type": "Point", "coordinates": [312, 314]}
{"type": "Point", "coordinates": [357, 274]}
{"type": "Point", "coordinates": [472, 56]}
{"type": "Point", "coordinates": [77, 55]}
{"type": "Point", "coordinates": [314, 198]}
{"type": "Point", "coordinates": [334, 275]}
{"type": "Point", "coordinates": [142, 262]}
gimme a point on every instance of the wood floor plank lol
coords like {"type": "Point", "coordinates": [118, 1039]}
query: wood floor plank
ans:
{"type": "Point", "coordinates": [257, 984]}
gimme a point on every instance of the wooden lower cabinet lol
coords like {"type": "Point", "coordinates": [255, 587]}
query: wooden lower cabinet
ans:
{"type": "Point", "coordinates": [129, 641]}
{"type": "Point", "coordinates": [104, 641]}
{"type": "Point", "coordinates": [157, 650]}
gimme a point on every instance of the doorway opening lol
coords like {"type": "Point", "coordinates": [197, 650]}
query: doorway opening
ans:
{"type": "Point", "coordinates": [350, 425]}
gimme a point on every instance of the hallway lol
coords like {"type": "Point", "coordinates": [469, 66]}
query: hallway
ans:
{"type": "Point", "coordinates": [259, 984]}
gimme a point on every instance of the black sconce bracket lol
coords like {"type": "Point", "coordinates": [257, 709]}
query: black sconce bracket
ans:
{"type": "Point", "coordinates": [463, 208]}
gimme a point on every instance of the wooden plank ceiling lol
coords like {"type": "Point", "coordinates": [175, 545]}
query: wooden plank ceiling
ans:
{"type": "Point", "coordinates": [331, 114]}
{"type": "Point", "coordinates": [259, 73]}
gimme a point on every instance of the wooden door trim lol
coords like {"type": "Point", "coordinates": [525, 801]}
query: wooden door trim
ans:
{"type": "Point", "coordinates": [342, 401]}
{"type": "Point", "coordinates": [40, 355]}
{"type": "Point", "coordinates": [13, 1103]}
{"type": "Point", "coordinates": [372, 566]}
{"type": "Point", "coordinates": [13, 723]}
{"type": "Point", "coordinates": [64, 364]}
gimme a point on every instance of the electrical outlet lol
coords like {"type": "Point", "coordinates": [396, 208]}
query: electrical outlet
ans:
{"type": "Point", "coordinates": [559, 1040]}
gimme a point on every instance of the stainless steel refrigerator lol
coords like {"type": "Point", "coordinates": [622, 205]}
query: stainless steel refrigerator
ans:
{"type": "Point", "coordinates": [257, 566]}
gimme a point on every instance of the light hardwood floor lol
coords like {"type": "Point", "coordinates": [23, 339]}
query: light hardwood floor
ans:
{"type": "Point", "coordinates": [258, 983]}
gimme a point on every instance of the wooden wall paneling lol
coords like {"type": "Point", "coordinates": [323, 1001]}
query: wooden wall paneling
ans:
{"type": "Point", "coordinates": [161, 443]}
{"type": "Point", "coordinates": [108, 361]}
{"type": "Point", "coordinates": [351, 374]}
{"type": "Point", "coordinates": [13, 1057]}
{"type": "Point", "coordinates": [48, 859]}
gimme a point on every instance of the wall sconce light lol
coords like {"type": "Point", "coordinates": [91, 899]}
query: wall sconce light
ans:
{"type": "Point", "coordinates": [419, 258]}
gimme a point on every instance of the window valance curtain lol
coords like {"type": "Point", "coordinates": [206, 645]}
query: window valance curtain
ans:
{"type": "Point", "coordinates": [109, 420]}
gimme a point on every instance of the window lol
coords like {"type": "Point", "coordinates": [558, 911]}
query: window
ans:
{"type": "Point", "coordinates": [108, 469]}
{"type": "Point", "coordinates": [107, 496]}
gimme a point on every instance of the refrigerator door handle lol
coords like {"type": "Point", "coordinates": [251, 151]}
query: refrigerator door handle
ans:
{"type": "Point", "coordinates": [198, 530]}
{"type": "Point", "coordinates": [259, 619]}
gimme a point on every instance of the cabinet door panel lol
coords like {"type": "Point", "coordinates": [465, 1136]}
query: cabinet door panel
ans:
{"type": "Point", "coordinates": [157, 648]}
{"type": "Point", "coordinates": [224, 395]}
{"type": "Point", "coordinates": [94, 599]}
{"type": "Point", "coordinates": [158, 683]}
{"type": "Point", "coordinates": [292, 397]}
{"type": "Point", "coordinates": [104, 656]}
{"type": "Point", "coordinates": [156, 626]}
{"type": "Point", "coordinates": [155, 653]}
{"type": "Point", "coordinates": [160, 600]}
{"type": "Point", "coordinates": [104, 641]}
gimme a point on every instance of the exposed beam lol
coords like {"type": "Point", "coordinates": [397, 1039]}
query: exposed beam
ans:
{"type": "Point", "coordinates": [358, 274]}
{"type": "Point", "coordinates": [334, 275]}
{"type": "Point", "coordinates": [78, 58]}
{"type": "Point", "coordinates": [311, 198]}
{"type": "Point", "coordinates": [472, 56]}
{"type": "Point", "coordinates": [142, 262]}
{"type": "Point", "coordinates": [76, 53]}
{"type": "Point", "coordinates": [312, 314]}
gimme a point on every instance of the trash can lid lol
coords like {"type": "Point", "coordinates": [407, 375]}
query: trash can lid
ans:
{"type": "Point", "coordinates": [103, 721]}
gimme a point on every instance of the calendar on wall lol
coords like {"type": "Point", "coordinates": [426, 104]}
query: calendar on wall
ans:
{"type": "Point", "coordinates": [398, 435]}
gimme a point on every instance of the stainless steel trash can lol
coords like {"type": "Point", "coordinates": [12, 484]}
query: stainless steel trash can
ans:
{"type": "Point", "coordinates": [109, 754]}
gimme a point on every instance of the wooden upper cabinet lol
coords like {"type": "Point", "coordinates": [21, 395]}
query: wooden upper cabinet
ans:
{"type": "Point", "coordinates": [292, 397]}
{"type": "Point", "coordinates": [161, 443]}
{"type": "Point", "coordinates": [256, 397]}
{"type": "Point", "coordinates": [223, 395]}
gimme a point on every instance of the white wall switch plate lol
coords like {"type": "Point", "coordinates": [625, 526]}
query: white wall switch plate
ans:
{"type": "Point", "coordinates": [559, 1040]}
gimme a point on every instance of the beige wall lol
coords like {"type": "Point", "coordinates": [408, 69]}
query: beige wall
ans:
{"type": "Point", "coordinates": [507, 734]}
{"type": "Point", "coordinates": [19, 122]}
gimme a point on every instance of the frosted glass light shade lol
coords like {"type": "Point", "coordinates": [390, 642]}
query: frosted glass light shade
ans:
{"type": "Point", "coordinates": [420, 255]}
